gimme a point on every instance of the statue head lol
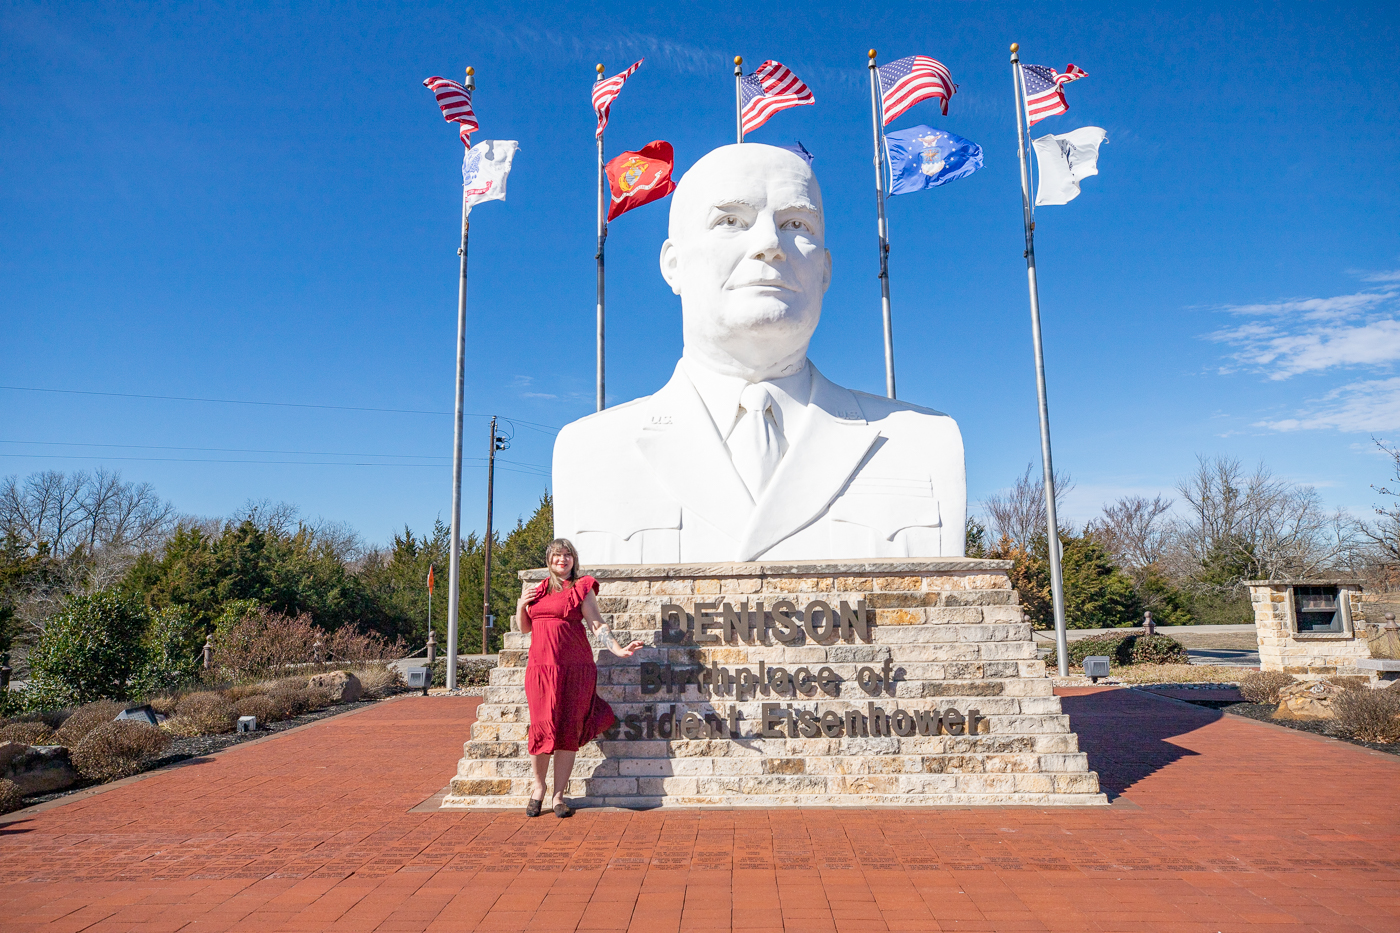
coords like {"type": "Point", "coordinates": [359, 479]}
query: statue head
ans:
{"type": "Point", "coordinates": [746, 251]}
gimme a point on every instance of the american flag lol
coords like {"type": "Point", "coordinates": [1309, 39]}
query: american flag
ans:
{"type": "Point", "coordinates": [456, 104]}
{"type": "Point", "coordinates": [605, 92]}
{"type": "Point", "coordinates": [769, 89]}
{"type": "Point", "coordinates": [1045, 96]}
{"type": "Point", "coordinates": [905, 82]}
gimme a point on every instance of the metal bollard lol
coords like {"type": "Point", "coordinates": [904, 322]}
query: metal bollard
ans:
{"type": "Point", "coordinates": [432, 656]}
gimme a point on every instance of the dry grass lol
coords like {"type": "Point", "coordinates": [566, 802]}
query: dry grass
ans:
{"type": "Point", "coordinates": [1369, 715]}
{"type": "Point", "coordinates": [1263, 686]}
{"type": "Point", "coordinates": [118, 749]}
{"type": "Point", "coordinates": [206, 713]}
{"type": "Point", "coordinates": [244, 691]}
{"type": "Point", "coordinates": [380, 681]}
{"type": "Point", "coordinates": [316, 698]}
{"type": "Point", "coordinates": [261, 706]}
{"type": "Point", "coordinates": [165, 705]}
{"type": "Point", "coordinates": [84, 719]}
{"type": "Point", "coordinates": [10, 797]}
{"type": "Point", "coordinates": [27, 733]}
{"type": "Point", "coordinates": [1179, 674]}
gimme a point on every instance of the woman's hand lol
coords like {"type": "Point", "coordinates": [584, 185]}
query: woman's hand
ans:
{"type": "Point", "coordinates": [630, 650]}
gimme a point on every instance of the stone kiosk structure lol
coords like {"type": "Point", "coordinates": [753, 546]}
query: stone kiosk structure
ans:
{"type": "Point", "coordinates": [790, 552]}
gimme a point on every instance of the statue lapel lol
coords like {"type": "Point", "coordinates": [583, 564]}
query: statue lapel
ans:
{"type": "Point", "coordinates": [828, 450]}
{"type": "Point", "coordinates": [681, 445]}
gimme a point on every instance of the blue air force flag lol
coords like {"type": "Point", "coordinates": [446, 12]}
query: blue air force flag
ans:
{"type": "Point", "coordinates": [1065, 161]}
{"type": "Point", "coordinates": [923, 157]}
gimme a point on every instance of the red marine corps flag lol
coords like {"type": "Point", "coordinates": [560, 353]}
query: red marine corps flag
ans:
{"type": "Point", "coordinates": [637, 178]}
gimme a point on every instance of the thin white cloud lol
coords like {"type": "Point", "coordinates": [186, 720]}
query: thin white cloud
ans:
{"type": "Point", "coordinates": [1371, 405]}
{"type": "Point", "coordinates": [1392, 276]}
{"type": "Point", "coordinates": [1302, 335]}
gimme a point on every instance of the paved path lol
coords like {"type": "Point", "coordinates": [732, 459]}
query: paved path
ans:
{"type": "Point", "coordinates": [1219, 824]}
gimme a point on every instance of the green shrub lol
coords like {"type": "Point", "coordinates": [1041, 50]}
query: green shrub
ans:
{"type": "Point", "coordinates": [10, 797]}
{"type": "Point", "coordinates": [174, 652]}
{"type": "Point", "coordinates": [1368, 715]}
{"type": "Point", "coordinates": [84, 719]}
{"type": "Point", "coordinates": [206, 713]}
{"type": "Point", "coordinates": [1157, 649]}
{"type": "Point", "coordinates": [90, 650]}
{"type": "Point", "coordinates": [1263, 686]}
{"type": "Point", "coordinates": [118, 749]}
{"type": "Point", "coordinates": [30, 733]}
{"type": "Point", "coordinates": [1130, 647]}
{"type": "Point", "coordinates": [261, 706]}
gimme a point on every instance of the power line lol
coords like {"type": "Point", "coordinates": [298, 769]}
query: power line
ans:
{"type": "Point", "coordinates": [530, 468]}
{"type": "Point", "coordinates": [234, 450]}
{"type": "Point", "coordinates": [547, 428]}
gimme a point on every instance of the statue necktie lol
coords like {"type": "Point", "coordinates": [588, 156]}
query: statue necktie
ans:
{"type": "Point", "coordinates": [755, 445]}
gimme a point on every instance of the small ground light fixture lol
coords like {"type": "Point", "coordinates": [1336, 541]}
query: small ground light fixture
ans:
{"type": "Point", "coordinates": [247, 724]}
{"type": "Point", "coordinates": [1095, 666]}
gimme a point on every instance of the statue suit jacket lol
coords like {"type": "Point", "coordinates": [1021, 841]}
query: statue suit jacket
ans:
{"type": "Point", "coordinates": [650, 481]}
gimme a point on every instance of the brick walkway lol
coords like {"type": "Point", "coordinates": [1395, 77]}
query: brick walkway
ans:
{"type": "Point", "coordinates": [1219, 824]}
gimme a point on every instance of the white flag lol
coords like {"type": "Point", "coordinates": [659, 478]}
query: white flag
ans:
{"type": "Point", "coordinates": [484, 170]}
{"type": "Point", "coordinates": [1064, 161]}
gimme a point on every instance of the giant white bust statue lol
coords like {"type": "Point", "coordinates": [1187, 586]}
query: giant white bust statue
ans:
{"type": "Point", "coordinates": [748, 452]}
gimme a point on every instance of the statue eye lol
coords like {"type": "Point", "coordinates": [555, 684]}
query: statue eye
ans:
{"type": "Point", "coordinates": [728, 220]}
{"type": "Point", "coordinates": [798, 225]}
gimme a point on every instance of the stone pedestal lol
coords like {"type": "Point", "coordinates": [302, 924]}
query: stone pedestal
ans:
{"type": "Point", "coordinates": [854, 686]}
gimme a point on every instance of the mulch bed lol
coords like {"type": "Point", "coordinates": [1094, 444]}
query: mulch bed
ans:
{"type": "Point", "coordinates": [198, 746]}
{"type": "Point", "coordinates": [1263, 712]}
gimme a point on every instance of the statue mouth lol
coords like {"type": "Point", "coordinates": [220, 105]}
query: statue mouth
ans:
{"type": "Point", "coordinates": [764, 283]}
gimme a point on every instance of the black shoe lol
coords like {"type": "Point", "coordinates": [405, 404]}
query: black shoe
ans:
{"type": "Point", "coordinates": [563, 810]}
{"type": "Point", "coordinates": [533, 807]}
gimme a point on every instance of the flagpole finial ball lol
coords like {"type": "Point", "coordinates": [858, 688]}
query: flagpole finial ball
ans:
{"type": "Point", "coordinates": [600, 68]}
{"type": "Point", "coordinates": [872, 54]}
{"type": "Point", "coordinates": [470, 70]}
{"type": "Point", "coordinates": [738, 59]}
{"type": "Point", "coordinates": [1015, 46]}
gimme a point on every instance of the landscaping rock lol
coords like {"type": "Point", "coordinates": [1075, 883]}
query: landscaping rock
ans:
{"type": "Point", "coordinates": [341, 686]}
{"type": "Point", "coordinates": [9, 751]}
{"type": "Point", "coordinates": [41, 769]}
{"type": "Point", "coordinates": [1307, 701]}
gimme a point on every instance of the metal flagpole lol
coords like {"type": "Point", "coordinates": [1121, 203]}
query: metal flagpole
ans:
{"type": "Point", "coordinates": [1052, 525]}
{"type": "Point", "coordinates": [739, 97]}
{"type": "Point", "coordinates": [884, 228]}
{"type": "Point", "coordinates": [454, 583]}
{"type": "Point", "coordinates": [602, 238]}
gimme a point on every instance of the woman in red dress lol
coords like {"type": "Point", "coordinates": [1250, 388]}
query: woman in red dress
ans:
{"type": "Point", "coordinates": [561, 678]}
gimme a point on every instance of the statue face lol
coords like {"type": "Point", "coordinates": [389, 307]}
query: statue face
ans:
{"type": "Point", "coordinates": [747, 255]}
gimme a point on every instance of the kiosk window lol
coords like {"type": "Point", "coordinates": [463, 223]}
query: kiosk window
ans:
{"type": "Point", "coordinates": [1316, 609]}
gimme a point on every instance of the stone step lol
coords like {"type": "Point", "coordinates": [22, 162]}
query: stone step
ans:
{"type": "Point", "coordinates": [796, 800]}
{"type": "Point", "coordinates": [1031, 763]}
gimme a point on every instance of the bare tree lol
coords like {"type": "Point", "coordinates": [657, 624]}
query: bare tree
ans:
{"type": "Point", "coordinates": [1265, 526]}
{"type": "Point", "coordinates": [1019, 513]}
{"type": "Point", "coordinates": [1132, 530]}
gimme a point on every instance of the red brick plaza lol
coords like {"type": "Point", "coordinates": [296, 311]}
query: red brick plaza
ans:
{"type": "Point", "coordinates": [1218, 824]}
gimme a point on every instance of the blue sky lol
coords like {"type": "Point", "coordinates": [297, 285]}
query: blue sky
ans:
{"type": "Point", "coordinates": [259, 203]}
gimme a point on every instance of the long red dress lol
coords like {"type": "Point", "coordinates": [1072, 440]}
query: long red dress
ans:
{"type": "Point", "coordinates": [561, 678]}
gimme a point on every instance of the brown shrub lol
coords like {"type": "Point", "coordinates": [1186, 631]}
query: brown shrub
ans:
{"type": "Point", "coordinates": [30, 733]}
{"type": "Point", "coordinates": [316, 698]}
{"type": "Point", "coordinates": [243, 691]}
{"type": "Point", "coordinates": [206, 713]}
{"type": "Point", "coordinates": [118, 749]}
{"type": "Point", "coordinates": [379, 681]}
{"type": "Point", "coordinates": [288, 703]}
{"type": "Point", "coordinates": [261, 706]}
{"type": "Point", "coordinates": [84, 719]}
{"type": "Point", "coordinates": [1263, 686]}
{"type": "Point", "coordinates": [10, 797]}
{"type": "Point", "coordinates": [348, 645]}
{"type": "Point", "coordinates": [164, 705]}
{"type": "Point", "coordinates": [1368, 715]}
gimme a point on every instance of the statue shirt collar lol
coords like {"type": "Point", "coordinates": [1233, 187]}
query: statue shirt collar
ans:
{"type": "Point", "coordinates": [720, 393]}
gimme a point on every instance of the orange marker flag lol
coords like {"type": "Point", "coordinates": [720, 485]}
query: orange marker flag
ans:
{"type": "Point", "coordinates": [640, 177]}
{"type": "Point", "coordinates": [430, 579]}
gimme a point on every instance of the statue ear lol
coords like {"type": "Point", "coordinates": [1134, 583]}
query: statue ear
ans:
{"type": "Point", "coordinates": [671, 265]}
{"type": "Point", "coordinates": [826, 274]}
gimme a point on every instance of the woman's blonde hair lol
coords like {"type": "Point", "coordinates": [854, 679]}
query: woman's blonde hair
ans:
{"type": "Point", "coordinates": [556, 582]}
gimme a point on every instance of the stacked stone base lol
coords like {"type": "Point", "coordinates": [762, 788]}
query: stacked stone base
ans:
{"type": "Point", "coordinates": [949, 631]}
